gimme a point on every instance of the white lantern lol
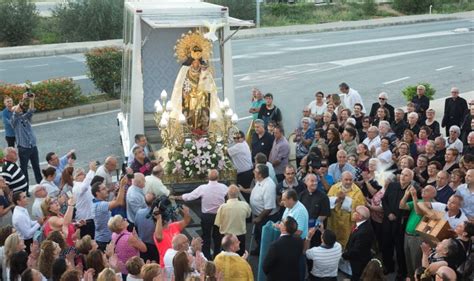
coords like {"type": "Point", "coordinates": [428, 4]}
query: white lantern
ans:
{"type": "Point", "coordinates": [182, 119]}
{"type": "Point", "coordinates": [234, 118]}
{"type": "Point", "coordinates": [213, 116]}
{"type": "Point", "coordinates": [163, 123]}
{"type": "Point", "coordinates": [163, 94]}
{"type": "Point", "coordinates": [158, 106]}
{"type": "Point", "coordinates": [229, 112]}
{"type": "Point", "coordinates": [226, 103]}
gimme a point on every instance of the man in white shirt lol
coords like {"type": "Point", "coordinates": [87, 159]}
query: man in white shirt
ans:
{"type": "Point", "coordinates": [106, 170]}
{"type": "Point", "coordinates": [351, 96]}
{"type": "Point", "coordinates": [325, 258]}
{"type": "Point", "coordinates": [372, 140]}
{"type": "Point", "coordinates": [153, 183]}
{"type": "Point", "coordinates": [262, 201]}
{"type": "Point", "coordinates": [181, 243]}
{"type": "Point", "coordinates": [82, 192]}
{"type": "Point", "coordinates": [242, 159]}
{"type": "Point", "coordinates": [40, 194]}
{"type": "Point", "coordinates": [25, 227]}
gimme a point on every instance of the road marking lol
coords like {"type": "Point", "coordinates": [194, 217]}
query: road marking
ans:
{"type": "Point", "coordinates": [443, 68]}
{"type": "Point", "coordinates": [396, 80]}
{"type": "Point", "coordinates": [74, 78]}
{"type": "Point", "coordinates": [35, 65]}
{"type": "Point", "coordinates": [245, 118]}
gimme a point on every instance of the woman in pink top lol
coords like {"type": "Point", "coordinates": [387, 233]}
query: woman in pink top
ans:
{"type": "Point", "coordinates": [127, 244]}
{"type": "Point", "coordinates": [55, 221]}
{"type": "Point", "coordinates": [422, 140]}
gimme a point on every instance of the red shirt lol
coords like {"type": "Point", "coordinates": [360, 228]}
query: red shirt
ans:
{"type": "Point", "coordinates": [165, 244]}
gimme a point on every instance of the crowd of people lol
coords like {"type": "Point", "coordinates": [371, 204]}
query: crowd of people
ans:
{"type": "Point", "coordinates": [345, 191]}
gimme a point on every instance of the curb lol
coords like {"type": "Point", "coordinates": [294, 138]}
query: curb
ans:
{"type": "Point", "coordinates": [82, 47]}
{"type": "Point", "coordinates": [74, 111]}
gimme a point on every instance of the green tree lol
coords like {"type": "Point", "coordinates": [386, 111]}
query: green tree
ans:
{"type": "Point", "coordinates": [17, 20]}
{"type": "Point", "coordinates": [89, 20]}
{"type": "Point", "coordinates": [413, 6]}
{"type": "Point", "coordinates": [410, 92]}
{"type": "Point", "coordinates": [105, 69]}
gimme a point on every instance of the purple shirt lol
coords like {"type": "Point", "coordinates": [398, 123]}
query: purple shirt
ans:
{"type": "Point", "coordinates": [280, 151]}
{"type": "Point", "coordinates": [212, 196]}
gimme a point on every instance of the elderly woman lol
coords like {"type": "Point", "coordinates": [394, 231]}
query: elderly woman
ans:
{"type": "Point", "coordinates": [453, 140]}
{"type": "Point", "coordinates": [127, 244]}
{"type": "Point", "coordinates": [369, 185]}
{"type": "Point", "coordinates": [457, 177]}
{"type": "Point", "coordinates": [303, 139]}
{"type": "Point", "coordinates": [383, 153]}
{"type": "Point", "coordinates": [56, 221]}
{"type": "Point", "coordinates": [433, 168]}
{"type": "Point", "coordinates": [431, 123]}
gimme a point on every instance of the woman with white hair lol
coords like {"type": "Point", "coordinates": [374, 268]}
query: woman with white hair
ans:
{"type": "Point", "coordinates": [453, 141]}
{"type": "Point", "coordinates": [303, 139]}
{"type": "Point", "coordinates": [432, 124]}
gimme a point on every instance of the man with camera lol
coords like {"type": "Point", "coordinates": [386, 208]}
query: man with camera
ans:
{"type": "Point", "coordinates": [25, 137]}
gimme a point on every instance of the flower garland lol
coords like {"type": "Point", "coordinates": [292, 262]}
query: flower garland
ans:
{"type": "Point", "coordinates": [196, 158]}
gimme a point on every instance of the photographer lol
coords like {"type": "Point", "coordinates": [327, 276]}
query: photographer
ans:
{"type": "Point", "coordinates": [25, 137]}
{"type": "Point", "coordinates": [165, 229]}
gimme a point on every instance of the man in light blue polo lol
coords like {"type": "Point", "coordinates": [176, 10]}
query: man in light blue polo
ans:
{"type": "Point", "coordinates": [336, 169]}
{"type": "Point", "coordinates": [297, 210]}
{"type": "Point", "coordinates": [135, 197]}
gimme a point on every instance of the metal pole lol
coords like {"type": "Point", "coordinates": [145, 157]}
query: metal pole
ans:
{"type": "Point", "coordinates": [258, 13]}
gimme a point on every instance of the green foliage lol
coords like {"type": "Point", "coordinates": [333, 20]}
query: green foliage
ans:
{"type": "Point", "coordinates": [50, 94]}
{"type": "Point", "coordinates": [452, 6]}
{"type": "Point", "coordinates": [17, 20]}
{"type": "Point", "coordinates": [241, 9]}
{"type": "Point", "coordinates": [412, 6]}
{"type": "Point", "coordinates": [369, 7]}
{"type": "Point", "coordinates": [410, 91]}
{"type": "Point", "coordinates": [89, 20]}
{"type": "Point", "coordinates": [105, 69]}
{"type": "Point", "coordinates": [46, 32]}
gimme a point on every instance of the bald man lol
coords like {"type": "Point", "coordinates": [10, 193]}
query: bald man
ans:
{"type": "Point", "coordinates": [212, 196]}
{"type": "Point", "coordinates": [445, 273]}
{"type": "Point", "coordinates": [358, 248]}
{"type": "Point", "coordinates": [106, 171]}
{"type": "Point", "coordinates": [344, 197]}
{"type": "Point", "coordinates": [231, 217]}
{"type": "Point", "coordinates": [135, 196]}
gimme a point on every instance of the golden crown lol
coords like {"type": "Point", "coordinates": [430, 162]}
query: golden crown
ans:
{"type": "Point", "coordinates": [189, 46]}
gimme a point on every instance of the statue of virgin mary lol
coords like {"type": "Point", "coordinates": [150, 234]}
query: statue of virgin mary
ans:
{"type": "Point", "coordinates": [194, 92]}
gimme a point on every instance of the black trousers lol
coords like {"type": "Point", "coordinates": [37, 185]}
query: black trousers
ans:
{"type": "Point", "coordinates": [151, 253]}
{"type": "Point", "coordinates": [241, 238]}
{"type": "Point", "coordinates": [210, 231]}
{"type": "Point", "coordinates": [102, 245]}
{"type": "Point", "coordinates": [28, 245]}
{"type": "Point", "coordinates": [258, 227]}
{"type": "Point", "coordinates": [245, 178]}
{"type": "Point", "coordinates": [88, 229]}
{"type": "Point", "coordinates": [393, 239]}
{"type": "Point", "coordinates": [314, 278]}
{"type": "Point", "coordinates": [30, 154]}
{"type": "Point", "coordinates": [10, 141]}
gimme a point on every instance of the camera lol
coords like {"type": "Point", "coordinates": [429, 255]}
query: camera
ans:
{"type": "Point", "coordinates": [28, 92]}
{"type": "Point", "coordinates": [73, 156]}
{"type": "Point", "coordinates": [314, 160]}
{"type": "Point", "coordinates": [163, 206]}
{"type": "Point", "coordinates": [97, 163]}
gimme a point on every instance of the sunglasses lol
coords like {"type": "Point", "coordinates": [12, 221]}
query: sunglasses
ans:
{"type": "Point", "coordinates": [382, 99]}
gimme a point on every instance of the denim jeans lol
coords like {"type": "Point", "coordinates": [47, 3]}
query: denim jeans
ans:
{"type": "Point", "coordinates": [30, 154]}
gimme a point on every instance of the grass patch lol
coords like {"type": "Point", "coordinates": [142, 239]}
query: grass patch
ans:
{"type": "Point", "coordinates": [281, 15]}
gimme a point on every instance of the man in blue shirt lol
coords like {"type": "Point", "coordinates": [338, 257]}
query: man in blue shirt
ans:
{"type": "Point", "coordinates": [336, 169]}
{"type": "Point", "coordinates": [297, 210]}
{"type": "Point", "coordinates": [25, 137]}
{"type": "Point", "coordinates": [145, 227]}
{"type": "Point", "coordinates": [59, 163]}
{"type": "Point", "coordinates": [7, 116]}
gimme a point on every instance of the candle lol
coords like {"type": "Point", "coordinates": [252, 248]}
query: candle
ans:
{"type": "Point", "coordinates": [163, 94]}
{"type": "Point", "coordinates": [158, 106]}
{"type": "Point", "coordinates": [234, 118]}
{"type": "Point", "coordinates": [169, 107]}
{"type": "Point", "coordinates": [213, 116]}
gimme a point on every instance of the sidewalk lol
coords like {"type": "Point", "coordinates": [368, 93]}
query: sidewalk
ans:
{"type": "Point", "coordinates": [81, 47]}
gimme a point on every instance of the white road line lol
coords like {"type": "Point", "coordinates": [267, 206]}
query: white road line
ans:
{"type": "Point", "coordinates": [245, 118]}
{"type": "Point", "coordinates": [443, 68]}
{"type": "Point", "coordinates": [35, 65]}
{"type": "Point", "coordinates": [396, 80]}
{"type": "Point", "coordinates": [3, 70]}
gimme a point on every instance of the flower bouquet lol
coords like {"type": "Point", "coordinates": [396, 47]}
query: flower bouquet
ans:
{"type": "Point", "coordinates": [196, 158]}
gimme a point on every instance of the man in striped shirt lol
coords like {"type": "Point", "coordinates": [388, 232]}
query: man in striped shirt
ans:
{"type": "Point", "coordinates": [12, 174]}
{"type": "Point", "coordinates": [325, 257]}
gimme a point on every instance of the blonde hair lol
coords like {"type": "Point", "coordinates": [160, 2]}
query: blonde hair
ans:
{"type": "Point", "coordinates": [84, 245]}
{"type": "Point", "coordinates": [114, 223]}
{"type": "Point", "coordinates": [107, 274]}
{"type": "Point", "coordinates": [11, 246]}
{"type": "Point", "coordinates": [46, 258]}
{"type": "Point", "coordinates": [45, 207]}
{"type": "Point", "coordinates": [150, 271]}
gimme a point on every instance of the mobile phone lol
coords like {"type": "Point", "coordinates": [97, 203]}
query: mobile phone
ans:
{"type": "Point", "coordinates": [69, 194]}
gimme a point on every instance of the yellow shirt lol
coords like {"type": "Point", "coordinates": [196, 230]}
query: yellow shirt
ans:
{"type": "Point", "coordinates": [340, 220]}
{"type": "Point", "coordinates": [231, 217]}
{"type": "Point", "coordinates": [233, 267]}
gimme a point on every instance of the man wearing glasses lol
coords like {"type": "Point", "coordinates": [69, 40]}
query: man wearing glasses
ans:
{"type": "Point", "coordinates": [241, 157]}
{"type": "Point", "coordinates": [383, 102]}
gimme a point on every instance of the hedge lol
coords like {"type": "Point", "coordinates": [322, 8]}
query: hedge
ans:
{"type": "Point", "coordinates": [50, 94]}
{"type": "Point", "coordinates": [105, 69]}
{"type": "Point", "coordinates": [17, 21]}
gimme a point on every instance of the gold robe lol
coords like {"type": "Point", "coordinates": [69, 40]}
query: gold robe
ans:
{"type": "Point", "coordinates": [233, 267]}
{"type": "Point", "coordinates": [340, 220]}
